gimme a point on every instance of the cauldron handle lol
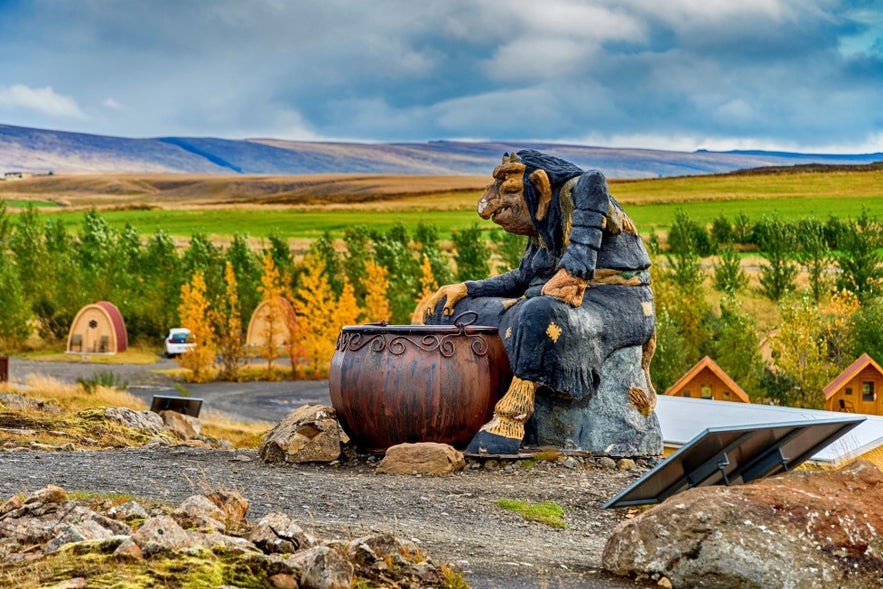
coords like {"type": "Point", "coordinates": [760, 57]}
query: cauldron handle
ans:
{"type": "Point", "coordinates": [462, 324]}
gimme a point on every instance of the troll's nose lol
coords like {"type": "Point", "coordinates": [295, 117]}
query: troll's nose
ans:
{"type": "Point", "coordinates": [486, 206]}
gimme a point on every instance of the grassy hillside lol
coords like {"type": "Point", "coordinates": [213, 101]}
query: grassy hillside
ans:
{"type": "Point", "coordinates": [305, 206]}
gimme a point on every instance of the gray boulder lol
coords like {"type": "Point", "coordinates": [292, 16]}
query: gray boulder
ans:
{"type": "Point", "coordinates": [803, 529]}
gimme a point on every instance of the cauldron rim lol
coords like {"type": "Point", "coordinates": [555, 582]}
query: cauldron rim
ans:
{"type": "Point", "coordinates": [419, 329]}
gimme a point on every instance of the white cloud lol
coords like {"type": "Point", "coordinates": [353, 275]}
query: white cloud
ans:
{"type": "Point", "coordinates": [872, 143]}
{"type": "Point", "coordinates": [43, 100]}
{"type": "Point", "coordinates": [736, 110]}
{"type": "Point", "coordinates": [112, 104]}
{"type": "Point", "coordinates": [556, 38]}
{"type": "Point", "coordinates": [683, 15]}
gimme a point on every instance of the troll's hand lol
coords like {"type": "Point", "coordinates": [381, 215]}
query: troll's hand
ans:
{"type": "Point", "coordinates": [452, 292]}
{"type": "Point", "coordinates": [566, 287]}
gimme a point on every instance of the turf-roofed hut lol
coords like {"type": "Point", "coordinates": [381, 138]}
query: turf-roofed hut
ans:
{"type": "Point", "coordinates": [271, 319]}
{"type": "Point", "coordinates": [98, 329]}
{"type": "Point", "coordinates": [707, 380]}
{"type": "Point", "coordinates": [857, 389]}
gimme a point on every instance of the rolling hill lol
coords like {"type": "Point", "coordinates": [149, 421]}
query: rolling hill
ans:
{"type": "Point", "coordinates": [42, 151]}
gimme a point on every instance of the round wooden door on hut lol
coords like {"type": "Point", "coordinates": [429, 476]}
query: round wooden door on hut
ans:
{"type": "Point", "coordinates": [393, 384]}
{"type": "Point", "coordinates": [98, 329]}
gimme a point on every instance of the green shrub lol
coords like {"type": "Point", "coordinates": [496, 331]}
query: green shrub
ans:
{"type": "Point", "coordinates": [105, 378]}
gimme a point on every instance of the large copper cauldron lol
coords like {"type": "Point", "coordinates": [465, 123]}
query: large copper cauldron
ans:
{"type": "Point", "coordinates": [392, 384]}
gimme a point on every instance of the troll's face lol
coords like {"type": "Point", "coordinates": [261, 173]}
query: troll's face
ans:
{"type": "Point", "coordinates": [503, 201]}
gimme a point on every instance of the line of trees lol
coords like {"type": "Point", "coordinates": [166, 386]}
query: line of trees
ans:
{"type": "Point", "coordinates": [47, 273]}
{"type": "Point", "coordinates": [850, 246]}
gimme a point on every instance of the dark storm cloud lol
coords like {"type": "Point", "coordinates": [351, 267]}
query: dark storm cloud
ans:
{"type": "Point", "coordinates": [679, 74]}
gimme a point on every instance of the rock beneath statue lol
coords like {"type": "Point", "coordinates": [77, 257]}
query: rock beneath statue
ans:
{"type": "Point", "coordinates": [422, 458]}
{"type": "Point", "coordinates": [307, 434]}
{"type": "Point", "coordinates": [603, 423]}
{"type": "Point", "coordinates": [803, 529]}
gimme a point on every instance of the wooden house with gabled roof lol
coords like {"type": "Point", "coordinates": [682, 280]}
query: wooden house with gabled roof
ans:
{"type": "Point", "coordinates": [707, 380]}
{"type": "Point", "coordinates": [857, 389]}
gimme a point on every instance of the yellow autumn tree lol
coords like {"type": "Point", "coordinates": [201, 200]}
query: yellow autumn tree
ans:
{"type": "Point", "coordinates": [428, 286]}
{"type": "Point", "coordinates": [377, 306]}
{"type": "Point", "coordinates": [317, 327]}
{"type": "Point", "coordinates": [274, 324]}
{"type": "Point", "coordinates": [195, 314]}
{"type": "Point", "coordinates": [228, 327]}
{"type": "Point", "coordinates": [348, 310]}
{"type": "Point", "coordinates": [428, 283]}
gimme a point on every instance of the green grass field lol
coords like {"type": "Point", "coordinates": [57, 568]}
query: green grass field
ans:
{"type": "Point", "coordinates": [660, 216]}
{"type": "Point", "coordinates": [309, 224]}
{"type": "Point", "coordinates": [651, 203]}
{"type": "Point", "coordinates": [287, 223]}
{"type": "Point", "coordinates": [37, 203]}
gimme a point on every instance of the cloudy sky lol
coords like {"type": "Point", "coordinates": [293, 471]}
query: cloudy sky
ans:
{"type": "Point", "coordinates": [802, 75]}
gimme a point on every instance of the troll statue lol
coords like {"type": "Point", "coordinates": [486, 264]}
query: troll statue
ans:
{"type": "Point", "coordinates": [580, 293]}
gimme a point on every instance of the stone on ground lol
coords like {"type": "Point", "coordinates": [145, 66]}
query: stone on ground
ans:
{"type": "Point", "coordinates": [233, 504]}
{"type": "Point", "coordinates": [184, 427]}
{"type": "Point", "coordinates": [307, 434]}
{"type": "Point", "coordinates": [803, 529]}
{"type": "Point", "coordinates": [323, 567]}
{"type": "Point", "coordinates": [423, 458]}
{"type": "Point", "coordinates": [197, 511]}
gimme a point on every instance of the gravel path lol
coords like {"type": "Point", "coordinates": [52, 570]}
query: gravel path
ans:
{"type": "Point", "coordinates": [454, 517]}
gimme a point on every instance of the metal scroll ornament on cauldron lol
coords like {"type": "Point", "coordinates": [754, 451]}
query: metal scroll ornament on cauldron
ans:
{"type": "Point", "coordinates": [392, 384]}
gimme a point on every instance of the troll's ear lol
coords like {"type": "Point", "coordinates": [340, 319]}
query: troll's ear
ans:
{"type": "Point", "coordinates": [540, 181]}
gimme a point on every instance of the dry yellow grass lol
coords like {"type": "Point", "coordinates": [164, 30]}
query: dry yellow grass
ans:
{"type": "Point", "coordinates": [178, 191]}
{"type": "Point", "coordinates": [68, 416]}
{"type": "Point", "coordinates": [242, 435]}
{"type": "Point", "coordinates": [73, 398]}
{"type": "Point", "coordinates": [131, 356]}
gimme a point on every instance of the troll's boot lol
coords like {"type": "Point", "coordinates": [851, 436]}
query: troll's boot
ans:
{"type": "Point", "coordinates": [503, 433]}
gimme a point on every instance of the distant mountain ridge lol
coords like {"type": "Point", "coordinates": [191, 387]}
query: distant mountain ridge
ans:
{"type": "Point", "coordinates": [25, 149]}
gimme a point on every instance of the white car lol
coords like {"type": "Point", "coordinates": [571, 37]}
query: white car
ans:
{"type": "Point", "coordinates": [176, 342]}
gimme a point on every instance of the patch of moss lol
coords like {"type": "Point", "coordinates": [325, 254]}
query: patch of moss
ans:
{"type": "Point", "coordinates": [105, 571]}
{"type": "Point", "coordinates": [545, 512]}
{"type": "Point", "coordinates": [547, 456]}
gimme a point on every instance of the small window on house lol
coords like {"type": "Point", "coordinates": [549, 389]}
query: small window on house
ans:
{"type": "Point", "coordinates": [867, 391]}
{"type": "Point", "coordinates": [705, 391]}
{"type": "Point", "coordinates": [685, 394]}
{"type": "Point", "coordinates": [848, 391]}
